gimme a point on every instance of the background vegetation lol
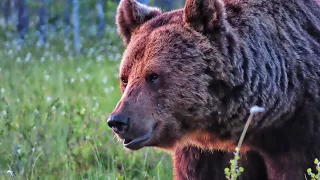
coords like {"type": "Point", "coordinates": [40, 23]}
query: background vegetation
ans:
{"type": "Point", "coordinates": [58, 82]}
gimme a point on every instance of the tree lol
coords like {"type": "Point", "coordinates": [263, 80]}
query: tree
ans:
{"type": "Point", "coordinates": [165, 4]}
{"type": "Point", "coordinates": [144, 1]}
{"type": "Point", "coordinates": [76, 37]}
{"type": "Point", "coordinates": [67, 16]}
{"type": "Point", "coordinates": [42, 22]}
{"type": "Point", "coordinates": [23, 18]}
{"type": "Point", "coordinates": [7, 10]}
{"type": "Point", "coordinates": [101, 5]}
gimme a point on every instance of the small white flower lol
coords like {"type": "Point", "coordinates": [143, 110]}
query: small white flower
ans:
{"type": "Point", "coordinates": [34, 127]}
{"type": "Point", "coordinates": [18, 100]}
{"type": "Point", "coordinates": [18, 60]}
{"type": "Point", "coordinates": [78, 70]}
{"type": "Point", "coordinates": [46, 77]}
{"type": "Point", "coordinates": [256, 109]}
{"type": "Point", "coordinates": [87, 76]}
{"type": "Point", "coordinates": [36, 111]}
{"type": "Point", "coordinates": [43, 59]}
{"type": "Point", "coordinates": [49, 98]}
{"type": "Point", "coordinates": [3, 90]}
{"type": "Point", "coordinates": [4, 112]}
{"type": "Point", "coordinates": [33, 149]}
{"type": "Point", "coordinates": [53, 108]}
{"type": "Point", "coordinates": [105, 79]}
{"type": "Point", "coordinates": [19, 151]}
{"type": "Point", "coordinates": [27, 59]}
{"type": "Point", "coordinates": [63, 113]}
{"type": "Point", "coordinates": [88, 137]}
{"type": "Point", "coordinates": [10, 172]}
{"type": "Point", "coordinates": [99, 58]}
{"type": "Point", "coordinates": [72, 80]}
{"type": "Point", "coordinates": [83, 110]}
{"type": "Point", "coordinates": [10, 51]}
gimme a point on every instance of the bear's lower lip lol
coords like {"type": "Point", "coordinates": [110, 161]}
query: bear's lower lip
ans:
{"type": "Point", "coordinates": [137, 143]}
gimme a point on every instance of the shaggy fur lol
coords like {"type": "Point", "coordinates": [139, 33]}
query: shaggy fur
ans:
{"type": "Point", "coordinates": [195, 164]}
{"type": "Point", "coordinates": [190, 76]}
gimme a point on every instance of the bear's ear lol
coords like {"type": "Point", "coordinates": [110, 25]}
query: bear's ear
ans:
{"type": "Point", "coordinates": [205, 15]}
{"type": "Point", "coordinates": [131, 15]}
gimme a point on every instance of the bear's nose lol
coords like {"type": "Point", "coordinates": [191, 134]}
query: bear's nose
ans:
{"type": "Point", "coordinates": [119, 123]}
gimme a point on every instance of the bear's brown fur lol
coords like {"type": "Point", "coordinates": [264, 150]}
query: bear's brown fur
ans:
{"type": "Point", "coordinates": [189, 77]}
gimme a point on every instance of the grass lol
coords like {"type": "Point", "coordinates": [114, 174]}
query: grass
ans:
{"type": "Point", "coordinates": [53, 110]}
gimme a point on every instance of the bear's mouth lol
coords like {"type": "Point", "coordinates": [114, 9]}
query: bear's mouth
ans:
{"type": "Point", "coordinates": [137, 143]}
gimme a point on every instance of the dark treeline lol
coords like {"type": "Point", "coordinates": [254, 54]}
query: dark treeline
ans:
{"type": "Point", "coordinates": [72, 14]}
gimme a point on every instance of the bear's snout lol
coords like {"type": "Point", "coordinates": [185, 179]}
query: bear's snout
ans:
{"type": "Point", "coordinates": [119, 123]}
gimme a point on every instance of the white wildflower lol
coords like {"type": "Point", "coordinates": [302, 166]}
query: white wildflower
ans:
{"type": "Point", "coordinates": [3, 90]}
{"type": "Point", "coordinates": [46, 77]}
{"type": "Point", "coordinates": [4, 112]}
{"type": "Point", "coordinates": [256, 109]}
{"type": "Point", "coordinates": [18, 59]}
{"type": "Point", "coordinates": [36, 111]}
{"type": "Point", "coordinates": [10, 172]}
{"type": "Point", "coordinates": [78, 70]}
{"type": "Point", "coordinates": [53, 108]}
{"type": "Point", "coordinates": [63, 113]}
{"type": "Point", "coordinates": [27, 59]}
{"type": "Point", "coordinates": [105, 79]}
{"type": "Point", "coordinates": [49, 98]}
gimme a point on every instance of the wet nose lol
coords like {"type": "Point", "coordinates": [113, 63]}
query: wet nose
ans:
{"type": "Point", "coordinates": [119, 123]}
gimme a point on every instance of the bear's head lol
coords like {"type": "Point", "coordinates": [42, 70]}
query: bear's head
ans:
{"type": "Point", "coordinates": [175, 72]}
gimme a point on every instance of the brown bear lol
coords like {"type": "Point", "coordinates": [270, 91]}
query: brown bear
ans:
{"type": "Point", "coordinates": [189, 77]}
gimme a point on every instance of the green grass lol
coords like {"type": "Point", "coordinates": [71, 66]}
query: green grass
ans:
{"type": "Point", "coordinates": [53, 111]}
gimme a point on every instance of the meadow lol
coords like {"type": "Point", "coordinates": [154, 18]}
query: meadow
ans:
{"type": "Point", "coordinates": [53, 110]}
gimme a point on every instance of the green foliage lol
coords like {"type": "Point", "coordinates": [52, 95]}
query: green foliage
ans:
{"type": "Point", "coordinates": [315, 176]}
{"type": "Point", "coordinates": [234, 171]}
{"type": "Point", "coordinates": [53, 111]}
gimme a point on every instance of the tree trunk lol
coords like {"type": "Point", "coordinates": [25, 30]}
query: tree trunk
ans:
{"type": "Point", "coordinates": [67, 17]}
{"type": "Point", "coordinates": [101, 5]}
{"type": "Point", "coordinates": [180, 3]}
{"type": "Point", "coordinates": [77, 44]}
{"type": "Point", "coordinates": [165, 4]}
{"type": "Point", "coordinates": [23, 18]}
{"type": "Point", "coordinates": [43, 22]}
{"type": "Point", "coordinates": [144, 1]}
{"type": "Point", "coordinates": [7, 10]}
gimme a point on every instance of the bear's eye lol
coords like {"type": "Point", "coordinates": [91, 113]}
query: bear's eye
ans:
{"type": "Point", "coordinates": [124, 81]}
{"type": "Point", "coordinates": [152, 78]}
